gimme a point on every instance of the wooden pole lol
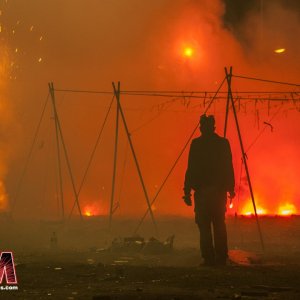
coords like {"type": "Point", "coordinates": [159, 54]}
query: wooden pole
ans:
{"type": "Point", "coordinates": [228, 77]}
{"type": "Point", "coordinates": [65, 149]}
{"type": "Point", "coordinates": [227, 104]}
{"type": "Point", "coordinates": [51, 90]}
{"type": "Point", "coordinates": [117, 94]}
{"type": "Point", "coordinates": [111, 211]}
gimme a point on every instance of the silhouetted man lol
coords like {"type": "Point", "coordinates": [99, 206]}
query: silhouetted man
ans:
{"type": "Point", "coordinates": [210, 174]}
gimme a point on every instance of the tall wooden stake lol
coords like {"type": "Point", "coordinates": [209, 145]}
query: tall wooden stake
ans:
{"type": "Point", "coordinates": [117, 94]}
{"type": "Point", "coordinates": [51, 90]}
{"type": "Point", "coordinates": [227, 103]}
{"type": "Point", "coordinates": [51, 87]}
{"type": "Point", "coordinates": [111, 211]}
{"type": "Point", "coordinates": [228, 77]}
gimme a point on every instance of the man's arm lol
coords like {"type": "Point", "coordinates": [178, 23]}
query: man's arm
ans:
{"type": "Point", "coordinates": [188, 178]}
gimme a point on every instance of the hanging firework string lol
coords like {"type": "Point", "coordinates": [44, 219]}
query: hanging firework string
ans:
{"type": "Point", "coordinates": [195, 101]}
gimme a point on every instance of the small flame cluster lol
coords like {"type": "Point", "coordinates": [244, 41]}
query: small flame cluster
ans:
{"type": "Point", "coordinates": [286, 209]}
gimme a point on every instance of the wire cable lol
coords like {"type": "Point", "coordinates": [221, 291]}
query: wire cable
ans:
{"type": "Point", "coordinates": [266, 80]}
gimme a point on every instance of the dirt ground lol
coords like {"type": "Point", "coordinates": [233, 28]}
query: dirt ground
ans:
{"type": "Point", "coordinates": [79, 266]}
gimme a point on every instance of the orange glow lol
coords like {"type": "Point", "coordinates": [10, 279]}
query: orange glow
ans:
{"type": "Point", "coordinates": [231, 205]}
{"type": "Point", "coordinates": [280, 50]}
{"type": "Point", "coordinates": [188, 51]}
{"type": "Point", "coordinates": [287, 210]}
{"type": "Point", "coordinates": [90, 211]}
{"type": "Point", "coordinates": [248, 210]}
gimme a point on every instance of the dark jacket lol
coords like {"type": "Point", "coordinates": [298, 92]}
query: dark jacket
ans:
{"type": "Point", "coordinates": [209, 164]}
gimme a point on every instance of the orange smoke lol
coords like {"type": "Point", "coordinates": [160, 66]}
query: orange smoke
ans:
{"type": "Point", "coordinates": [3, 197]}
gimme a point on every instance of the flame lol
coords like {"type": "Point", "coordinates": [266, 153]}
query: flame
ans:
{"type": "Point", "coordinates": [91, 210]}
{"type": "Point", "coordinates": [248, 209]}
{"type": "Point", "coordinates": [280, 50]}
{"type": "Point", "coordinates": [287, 210]}
{"type": "Point", "coordinates": [88, 214]}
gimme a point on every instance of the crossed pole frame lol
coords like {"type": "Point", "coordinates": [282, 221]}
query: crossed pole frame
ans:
{"type": "Point", "coordinates": [61, 142]}
{"type": "Point", "coordinates": [119, 111]}
{"type": "Point", "coordinates": [244, 155]}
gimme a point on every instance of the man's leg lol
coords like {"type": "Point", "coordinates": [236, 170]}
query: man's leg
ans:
{"type": "Point", "coordinates": [220, 237]}
{"type": "Point", "coordinates": [206, 242]}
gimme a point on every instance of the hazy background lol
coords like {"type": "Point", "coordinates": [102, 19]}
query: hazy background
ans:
{"type": "Point", "coordinates": [88, 44]}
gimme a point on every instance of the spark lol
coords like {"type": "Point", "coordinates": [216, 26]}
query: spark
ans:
{"type": "Point", "coordinates": [40, 59]}
{"type": "Point", "coordinates": [231, 205]}
{"type": "Point", "coordinates": [41, 37]}
{"type": "Point", "coordinates": [31, 28]}
{"type": "Point", "coordinates": [279, 50]}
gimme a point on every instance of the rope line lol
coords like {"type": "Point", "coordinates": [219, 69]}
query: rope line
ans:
{"type": "Point", "coordinates": [266, 80]}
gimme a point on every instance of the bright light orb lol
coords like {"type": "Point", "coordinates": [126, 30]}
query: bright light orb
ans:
{"type": "Point", "coordinates": [188, 52]}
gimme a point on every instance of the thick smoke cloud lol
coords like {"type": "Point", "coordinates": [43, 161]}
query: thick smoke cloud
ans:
{"type": "Point", "coordinates": [88, 44]}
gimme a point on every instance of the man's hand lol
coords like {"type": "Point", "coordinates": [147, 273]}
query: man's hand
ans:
{"type": "Point", "coordinates": [187, 199]}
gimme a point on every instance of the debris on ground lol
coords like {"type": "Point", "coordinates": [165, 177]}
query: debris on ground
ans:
{"type": "Point", "coordinates": [139, 244]}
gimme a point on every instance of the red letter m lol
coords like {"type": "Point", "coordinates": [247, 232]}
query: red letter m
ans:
{"type": "Point", "coordinates": [7, 267]}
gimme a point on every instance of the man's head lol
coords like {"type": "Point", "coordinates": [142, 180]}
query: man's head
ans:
{"type": "Point", "coordinates": [207, 124]}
